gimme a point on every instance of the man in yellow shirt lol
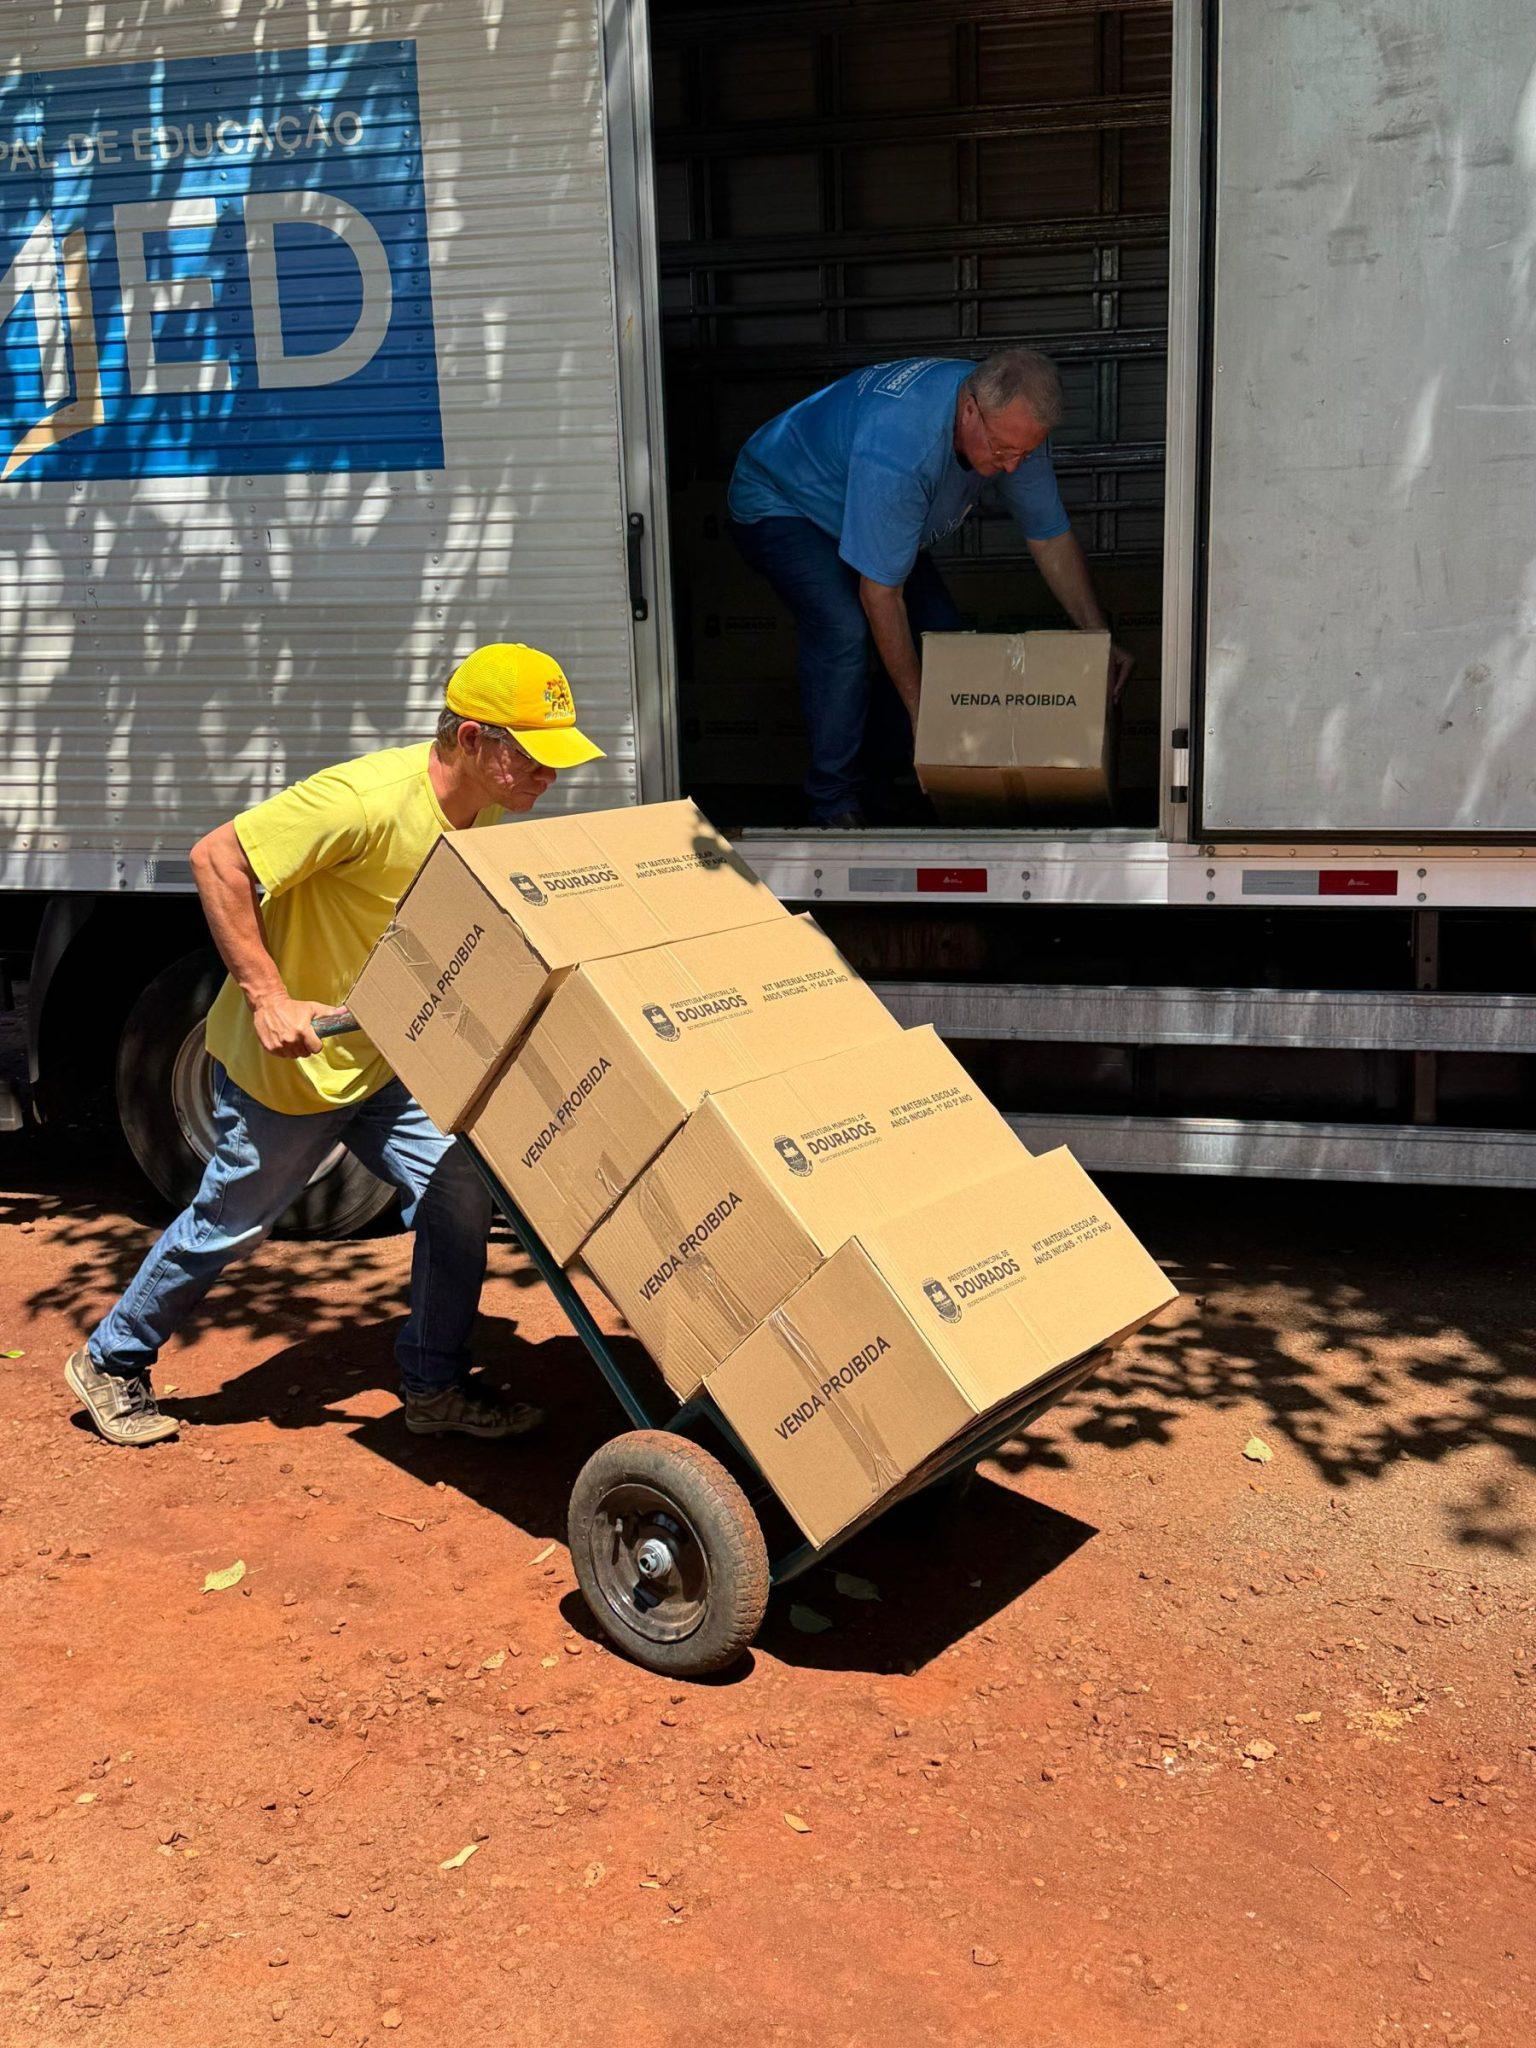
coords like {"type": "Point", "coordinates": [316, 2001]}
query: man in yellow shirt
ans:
{"type": "Point", "coordinates": [296, 893]}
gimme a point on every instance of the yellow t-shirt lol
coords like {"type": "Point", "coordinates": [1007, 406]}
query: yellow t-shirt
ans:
{"type": "Point", "coordinates": [334, 855]}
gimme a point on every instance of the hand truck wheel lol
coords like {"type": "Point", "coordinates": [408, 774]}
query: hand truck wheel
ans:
{"type": "Point", "coordinates": [668, 1553]}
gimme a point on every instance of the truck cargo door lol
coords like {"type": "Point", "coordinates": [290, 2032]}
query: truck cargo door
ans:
{"type": "Point", "coordinates": [1369, 660]}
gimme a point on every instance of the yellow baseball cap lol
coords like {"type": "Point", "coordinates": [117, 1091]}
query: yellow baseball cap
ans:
{"type": "Point", "coordinates": [525, 691]}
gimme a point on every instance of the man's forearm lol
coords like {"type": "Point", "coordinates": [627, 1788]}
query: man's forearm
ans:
{"type": "Point", "coordinates": [231, 899]}
{"type": "Point", "coordinates": [1065, 568]}
{"type": "Point", "coordinates": [887, 615]}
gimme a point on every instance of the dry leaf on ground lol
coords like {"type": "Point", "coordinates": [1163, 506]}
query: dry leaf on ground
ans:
{"type": "Point", "coordinates": [808, 1621]}
{"type": "Point", "coordinates": [852, 1587]}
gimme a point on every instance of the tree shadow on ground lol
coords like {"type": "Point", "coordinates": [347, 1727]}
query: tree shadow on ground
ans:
{"type": "Point", "coordinates": [1367, 1324]}
{"type": "Point", "coordinates": [943, 1572]}
{"type": "Point", "coordinates": [1364, 1324]}
{"type": "Point", "coordinates": [526, 1483]}
{"type": "Point", "coordinates": [103, 1222]}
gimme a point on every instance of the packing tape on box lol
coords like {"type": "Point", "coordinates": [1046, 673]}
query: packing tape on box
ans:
{"type": "Point", "coordinates": [558, 1092]}
{"type": "Point", "coordinates": [696, 1271]}
{"type": "Point", "coordinates": [868, 1450]}
{"type": "Point", "coordinates": [452, 1008]}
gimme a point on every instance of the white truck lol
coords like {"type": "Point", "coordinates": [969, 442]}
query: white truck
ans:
{"type": "Point", "coordinates": [322, 361]}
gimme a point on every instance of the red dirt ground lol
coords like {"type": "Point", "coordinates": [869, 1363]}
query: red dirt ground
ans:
{"type": "Point", "coordinates": [1152, 1744]}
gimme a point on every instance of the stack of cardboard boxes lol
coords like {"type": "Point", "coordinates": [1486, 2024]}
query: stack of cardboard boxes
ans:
{"type": "Point", "coordinates": [802, 1209]}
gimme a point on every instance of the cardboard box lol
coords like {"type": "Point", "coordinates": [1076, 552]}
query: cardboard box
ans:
{"type": "Point", "coordinates": [628, 1047]}
{"type": "Point", "coordinates": [766, 1180]}
{"type": "Point", "coordinates": [1015, 725]}
{"type": "Point", "coordinates": [497, 917]}
{"type": "Point", "coordinates": [919, 1329]}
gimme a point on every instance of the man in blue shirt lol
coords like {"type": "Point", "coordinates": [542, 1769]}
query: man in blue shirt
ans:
{"type": "Point", "coordinates": [838, 500]}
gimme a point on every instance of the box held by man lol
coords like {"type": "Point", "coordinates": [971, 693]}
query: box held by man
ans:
{"type": "Point", "coordinates": [1016, 726]}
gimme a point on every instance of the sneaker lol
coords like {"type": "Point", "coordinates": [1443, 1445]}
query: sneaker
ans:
{"type": "Point", "coordinates": [458, 1411]}
{"type": "Point", "coordinates": [122, 1409]}
{"type": "Point", "coordinates": [850, 820]}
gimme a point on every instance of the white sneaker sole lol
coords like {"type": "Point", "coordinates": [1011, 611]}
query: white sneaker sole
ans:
{"type": "Point", "coordinates": [108, 1431]}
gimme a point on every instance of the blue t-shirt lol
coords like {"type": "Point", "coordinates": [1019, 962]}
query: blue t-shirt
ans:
{"type": "Point", "coordinates": [871, 460]}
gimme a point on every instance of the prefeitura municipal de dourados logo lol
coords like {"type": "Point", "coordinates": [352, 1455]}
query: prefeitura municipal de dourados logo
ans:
{"type": "Point", "coordinates": [943, 1301]}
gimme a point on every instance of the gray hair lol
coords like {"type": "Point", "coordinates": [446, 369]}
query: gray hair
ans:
{"type": "Point", "coordinates": [449, 724]}
{"type": "Point", "coordinates": [1019, 374]}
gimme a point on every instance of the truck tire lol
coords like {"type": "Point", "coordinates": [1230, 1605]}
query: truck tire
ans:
{"type": "Point", "coordinates": [165, 1106]}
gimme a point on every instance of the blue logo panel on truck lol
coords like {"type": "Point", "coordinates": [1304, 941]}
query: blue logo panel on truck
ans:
{"type": "Point", "coordinates": [216, 264]}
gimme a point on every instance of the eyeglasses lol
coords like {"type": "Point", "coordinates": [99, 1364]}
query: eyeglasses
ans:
{"type": "Point", "coordinates": [503, 738]}
{"type": "Point", "coordinates": [1002, 455]}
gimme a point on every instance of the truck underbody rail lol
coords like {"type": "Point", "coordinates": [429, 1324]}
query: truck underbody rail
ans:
{"type": "Point", "coordinates": [1398, 1042]}
{"type": "Point", "coordinates": [1413, 1154]}
{"type": "Point", "coordinates": [1366, 1020]}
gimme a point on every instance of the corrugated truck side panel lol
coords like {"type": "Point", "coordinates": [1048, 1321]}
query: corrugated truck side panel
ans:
{"type": "Point", "coordinates": [308, 386]}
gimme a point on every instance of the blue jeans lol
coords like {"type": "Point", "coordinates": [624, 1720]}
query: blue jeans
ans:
{"type": "Point", "coordinates": [261, 1161]}
{"type": "Point", "coordinates": [855, 732]}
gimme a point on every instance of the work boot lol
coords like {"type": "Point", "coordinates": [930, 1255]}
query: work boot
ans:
{"type": "Point", "coordinates": [460, 1411]}
{"type": "Point", "coordinates": [122, 1408]}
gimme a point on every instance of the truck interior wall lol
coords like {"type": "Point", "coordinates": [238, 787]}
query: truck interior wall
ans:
{"type": "Point", "coordinates": [839, 184]}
